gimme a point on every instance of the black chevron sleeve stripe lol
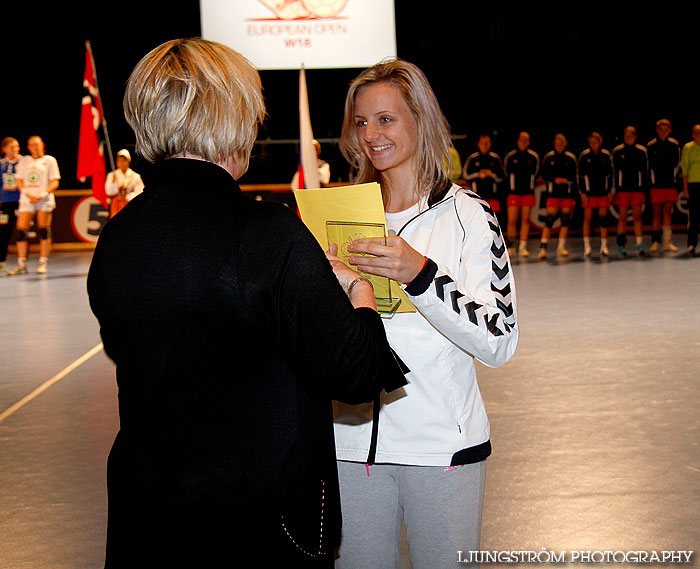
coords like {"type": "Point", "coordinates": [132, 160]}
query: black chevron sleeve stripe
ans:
{"type": "Point", "coordinates": [505, 291]}
{"type": "Point", "coordinates": [455, 295]}
{"type": "Point", "coordinates": [500, 272]}
{"type": "Point", "coordinates": [500, 282]}
{"type": "Point", "coordinates": [440, 284]}
{"type": "Point", "coordinates": [486, 206]}
{"type": "Point", "coordinates": [507, 309]}
{"type": "Point", "coordinates": [492, 324]}
{"type": "Point", "coordinates": [497, 322]}
{"type": "Point", "coordinates": [472, 307]}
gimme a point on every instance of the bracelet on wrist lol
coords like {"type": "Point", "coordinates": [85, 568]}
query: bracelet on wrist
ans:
{"type": "Point", "coordinates": [357, 280]}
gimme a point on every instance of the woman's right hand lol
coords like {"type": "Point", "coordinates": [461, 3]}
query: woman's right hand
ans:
{"type": "Point", "coordinates": [343, 273]}
{"type": "Point", "coordinates": [362, 293]}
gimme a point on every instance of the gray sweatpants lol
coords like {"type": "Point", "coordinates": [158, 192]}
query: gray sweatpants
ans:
{"type": "Point", "coordinates": [440, 506]}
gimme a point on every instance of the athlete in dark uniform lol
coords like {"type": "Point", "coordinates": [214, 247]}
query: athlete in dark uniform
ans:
{"type": "Point", "coordinates": [595, 185]}
{"type": "Point", "coordinates": [484, 170]}
{"type": "Point", "coordinates": [630, 166]}
{"type": "Point", "coordinates": [521, 166]}
{"type": "Point", "coordinates": [664, 155]}
{"type": "Point", "coordinates": [559, 171]}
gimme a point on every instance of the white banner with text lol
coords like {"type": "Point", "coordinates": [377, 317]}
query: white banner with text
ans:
{"type": "Point", "coordinates": [320, 34]}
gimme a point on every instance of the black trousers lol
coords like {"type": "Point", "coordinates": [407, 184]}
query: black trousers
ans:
{"type": "Point", "coordinates": [6, 229]}
{"type": "Point", "coordinates": [693, 213]}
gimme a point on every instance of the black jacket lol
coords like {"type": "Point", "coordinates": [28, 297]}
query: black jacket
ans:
{"type": "Point", "coordinates": [595, 172]}
{"type": "Point", "coordinates": [521, 168]}
{"type": "Point", "coordinates": [487, 188]}
{"type": "Point", "coordinates": [559, 165]}
{"type": "Point", "coordinates": [631, 167]}
{"type": "Point", "coordinates": [664, 162]}
{"type": "Point", "coordinates": [230, 336]}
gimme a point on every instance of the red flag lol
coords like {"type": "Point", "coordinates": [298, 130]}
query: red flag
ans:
{"type": "Point", "coordinates": [91, 158]}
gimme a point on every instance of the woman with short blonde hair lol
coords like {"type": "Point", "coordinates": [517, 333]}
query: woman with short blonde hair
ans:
{"type": "Point", "coordinates": [231, 333]}
{"type": "Point", "coordinates": [194, 97]}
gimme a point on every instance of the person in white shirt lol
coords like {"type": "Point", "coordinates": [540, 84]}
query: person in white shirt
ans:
{"type": "Point", "coordinates": [419, 456]}
{"type": "Point", "coordinates": [37, 179]}
{"type": "Point", "coordinates": [122, 184]}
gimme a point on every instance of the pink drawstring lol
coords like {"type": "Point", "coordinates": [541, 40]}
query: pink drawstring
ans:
{"type": "Point", "coordinates": [367, 465]}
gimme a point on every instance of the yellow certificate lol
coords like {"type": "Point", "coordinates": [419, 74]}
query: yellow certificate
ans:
{"type": "Point", "coordinates": [351, 212]}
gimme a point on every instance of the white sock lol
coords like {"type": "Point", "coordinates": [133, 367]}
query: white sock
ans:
{"type": "Point", "coordinates": [639, 241]}
{"type": "Point", "coordinates": [44, 260]}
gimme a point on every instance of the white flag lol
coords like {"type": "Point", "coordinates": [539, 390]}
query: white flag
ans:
{"type": "Point", "coordinates": [308, 161]}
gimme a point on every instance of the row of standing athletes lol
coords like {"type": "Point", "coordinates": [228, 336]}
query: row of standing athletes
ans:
{"type": "Point", "coordinates": [27, 197]}
{"type": "Point", "coordinates": [598, 177]}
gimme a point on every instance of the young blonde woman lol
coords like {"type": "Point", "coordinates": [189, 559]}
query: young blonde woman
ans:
{"type": "Point", "coordinates": [418, 456]}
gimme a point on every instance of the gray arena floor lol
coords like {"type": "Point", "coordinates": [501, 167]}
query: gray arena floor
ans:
{"type": "Point", "coordinates": [595, 421]}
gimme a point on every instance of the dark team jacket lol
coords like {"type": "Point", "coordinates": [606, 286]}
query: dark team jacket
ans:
{"type": "Point", "coordinates": [487, 188]}
{"type": "Point", "coordinates": [595, 172]}
{"type": "Point", "coordinates": [521, 168]}
{"type": "Point", "coordinates": [631, 167]}
{"type": "Point", "coordinates": [559, 165]}
{"type": "Point", "coordinates": [664, 161]}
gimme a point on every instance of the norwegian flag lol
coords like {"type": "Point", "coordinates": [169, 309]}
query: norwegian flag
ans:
{"type": "Point", "coordinates": [91, 157]}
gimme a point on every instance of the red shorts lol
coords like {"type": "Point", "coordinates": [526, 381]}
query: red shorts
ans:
{"type": "Point", "coordinates": [661, 195]}
{"type": "Point", "coordinates": [517, 200]}
{"type": "Point", "coordinates": [598, 202]}
{"type": "Point", "coordinates": [626, 199]}
{"type": "Point", "coordinates": [495, 205]}
{"type": "Point", "coordinates": [561, 202]}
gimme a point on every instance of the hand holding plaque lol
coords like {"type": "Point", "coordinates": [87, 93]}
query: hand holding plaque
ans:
{"type": "Point", "coordinates": [390, 257]}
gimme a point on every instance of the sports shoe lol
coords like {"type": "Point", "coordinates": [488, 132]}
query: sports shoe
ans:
{"type": "Point", "coordinates": [562, 252]}
{"type": "Point", "coordinates": [640, 250]}
{"type": "Point", "coordinates": [18, 270]}
{"type": "Point", "coordinates": [604, 251]}
{"type": "Point", "coordinates": [3, 267]}
{"type": "Point", "coordinates": [622, 251]}
{"type": "Point", "coordinates": [511, 252]}
{"type": "Point", "coordinates": [668, 246]}
{"type": "Point", "coordinates": [587, 251]}
{"type": "Point", "coordinates": [523, 252]}
{"type": "Point", "coordinates": [654, 247]}
{"type": "Point", "coordinates": [42, 269]}
{"type": "Point", "coordinates": [542, 254]}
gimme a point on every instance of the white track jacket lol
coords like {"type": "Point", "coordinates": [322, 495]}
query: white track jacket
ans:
{"type": "Point", "coordinates": [465, 298]}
